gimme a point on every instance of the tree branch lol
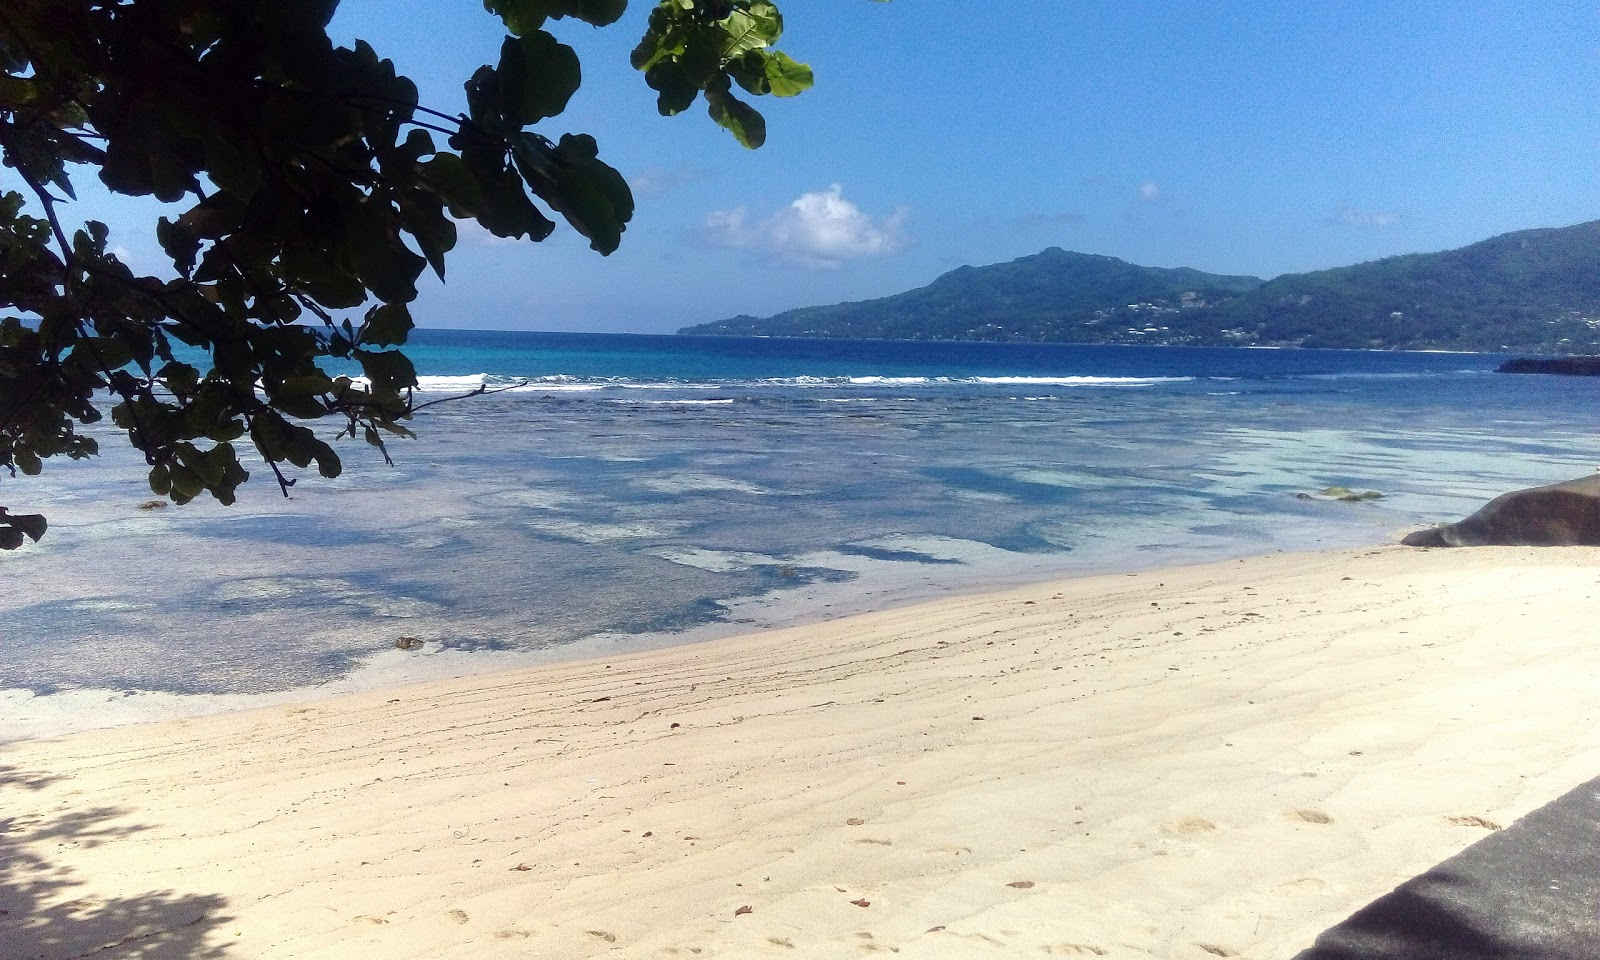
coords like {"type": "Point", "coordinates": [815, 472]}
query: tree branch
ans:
{"type": "Point", "coordinates": [284, 483]}
{"type": "Point", "coordinates": [482, 391]}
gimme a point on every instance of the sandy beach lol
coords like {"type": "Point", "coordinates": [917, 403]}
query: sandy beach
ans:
{"type": "Point", "coordinates": [1208, 761]}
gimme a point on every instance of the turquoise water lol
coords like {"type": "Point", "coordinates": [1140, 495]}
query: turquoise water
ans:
{"type": "Point", "coordinates": [629, 491]}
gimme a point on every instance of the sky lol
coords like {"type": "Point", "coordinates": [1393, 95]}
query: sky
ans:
{"type": "Point", "coordinates": [1260, 138]}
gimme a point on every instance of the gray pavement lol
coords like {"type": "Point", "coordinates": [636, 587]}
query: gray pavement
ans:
{"type": "Point", "coordinates": [1528, 892]}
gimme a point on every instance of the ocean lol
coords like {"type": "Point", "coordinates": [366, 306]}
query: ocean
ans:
{"type": "Point", "coordinates": [627, 491]}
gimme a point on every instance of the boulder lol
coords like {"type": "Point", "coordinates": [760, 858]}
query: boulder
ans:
{"type": "Point", "coordinates": [1559, 515]}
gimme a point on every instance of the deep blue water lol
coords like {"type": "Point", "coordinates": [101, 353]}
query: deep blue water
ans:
{"type": "Point", "coordinates": [633, 489]}
{"type": "Point", "coordinates": [682, 358]}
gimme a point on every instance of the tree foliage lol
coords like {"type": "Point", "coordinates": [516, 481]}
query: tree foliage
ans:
{"type": "Point", "coordinates": [311, 191]}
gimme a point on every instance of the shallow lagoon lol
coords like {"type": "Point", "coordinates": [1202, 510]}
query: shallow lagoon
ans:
{"type": "Point", "coordinates": [589, 512]}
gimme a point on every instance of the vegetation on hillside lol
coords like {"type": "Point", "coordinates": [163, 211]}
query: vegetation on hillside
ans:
{"type": "Point", "coordinates": [1531, 291]}
{"type": "Point", "coordinates": [1054, 295]}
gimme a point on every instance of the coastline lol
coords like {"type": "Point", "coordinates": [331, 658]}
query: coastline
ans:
{"type": "Point", "coordinates": [26, 715]}
{"type": "Point", "coordinates": [1199, 761]}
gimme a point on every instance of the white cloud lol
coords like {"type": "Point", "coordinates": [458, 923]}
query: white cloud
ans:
{"type": "Point", "coordinates": [1368, 219]}
{"type": "Point", "coordinates": [473, 232]}
{"type": "Point", "coordinates": [1150, 192]}
{"type": "Point", "coordinates": [818, 230]}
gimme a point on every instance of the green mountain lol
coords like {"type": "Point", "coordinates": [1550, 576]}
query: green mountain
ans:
{"type": "Point", "coordinates": [1530, 291]}
{"type": "Point", "coordinates": [1054, 295]}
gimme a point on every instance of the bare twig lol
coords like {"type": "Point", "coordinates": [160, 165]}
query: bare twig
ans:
{"type": "Point", "coordinates": [482, 391]}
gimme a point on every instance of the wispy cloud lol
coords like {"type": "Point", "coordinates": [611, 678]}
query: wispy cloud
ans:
{"type": "Point", "coordinates": [1150, 192]}
{"type": "Point", "coordinates": [820, 230]}
{"type": "Point", "coordinates": [654, 181]}
{"type": "Point", "coordinates": [1364, 219]}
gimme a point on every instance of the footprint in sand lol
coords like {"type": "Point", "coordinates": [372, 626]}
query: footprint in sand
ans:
{"type": "Point", "coordinates": [881, 843]}
{"type": "Point", "coordinates": [958, 851]}
{"type": "Point", "coordinates": [869, 944]}
{"type": "Point", "coordinates": [1074, 950]}
{"type": "Point", "coordinates": [1189, 826]}
{"type": "Point", "coordinates": [512, 934]}
{"type": "Point", "coordinates": [1308, 816]}
{"type": "Point", "coordinates": [364, 918]}
{"type": "Point", "coordinates": [1474, 822]}
{"type": "Point", "coordinates": [602, 935]}
{"type": "Point", "coordinates": [1217, 951]}
{"type": "Point", "coordinates": [780, 942]}
{"type": "Point", "coordinates": [456, 916]}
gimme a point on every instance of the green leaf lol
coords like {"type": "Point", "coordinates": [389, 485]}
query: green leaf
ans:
{"type": "Point", "coordinates": [418, 144]}
{"type": "Point", "coordinates": [108, 353]}
{"type": "Point", "coordinates": [379, 259]}
{"type": "Point", "coordinates": [180, 378]}
{"type": "Point", "coordinates": [676, 89]}
{"type": "Point", "coordinates": [179, 243]}
{"type": "Point", "coordinates": [787, 77]}
{"type": "Point", "coordinates": [744, 34]}
{"type": "Point", "coordinates": [449, 176]}
{"type": "Point", "coordinates": [297, 402]}
{"type": "Point", "coordinates": [600, 13]}
{"type": "Point", "coordinates": [507, 211]}
{"type": "Point", "coordinates": [389, 371]}
{"type": "Point", "coordinates": [186, 484]}
{"type": "Point", "coordinates": [16, 91]}
{"type": "Point", "coordinates": [538, 75]}
{"type": "Point", "coordinates": [387, 325]}
{"type": "Point", "coordinates": [766, 15]}
{"type": "Point", "coordinates": [591, 195]}
{"type": "Point", "coordinates": [738, 117]}
{"type": "Point", "coordinates": [224, 464]}
{"type": "Point", "coordinates": [422, 212]}
{"type": "Point", "coordinates": [523, 16]}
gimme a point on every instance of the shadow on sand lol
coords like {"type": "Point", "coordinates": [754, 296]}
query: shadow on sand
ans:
{"type": "Point", "coordinates": [47, 914]}
{"type": "Point", "coordinates": [1529, 892]}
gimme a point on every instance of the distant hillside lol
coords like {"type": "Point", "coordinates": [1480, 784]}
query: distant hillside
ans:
{"type": "Point", "coordinates": [1531, 291]}
{"type": "Point", "coordinates": [1534, 290]}
{"type": "Point", "coordinates": [1054, 295]}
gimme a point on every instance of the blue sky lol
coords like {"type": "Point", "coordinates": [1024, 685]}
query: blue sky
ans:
{"type": "Point", "coordinates": [1257, 138]}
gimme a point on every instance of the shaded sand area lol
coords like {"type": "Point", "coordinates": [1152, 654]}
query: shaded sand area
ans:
{"type": "Point", "coordinates": [1199, 762]}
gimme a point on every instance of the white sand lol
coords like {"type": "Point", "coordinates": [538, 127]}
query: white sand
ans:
{"type": "Point", "coordinates": [1202, 762]}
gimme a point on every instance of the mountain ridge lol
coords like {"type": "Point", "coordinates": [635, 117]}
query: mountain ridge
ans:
{"type": "Point", "coordinates": [1531, 290]}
